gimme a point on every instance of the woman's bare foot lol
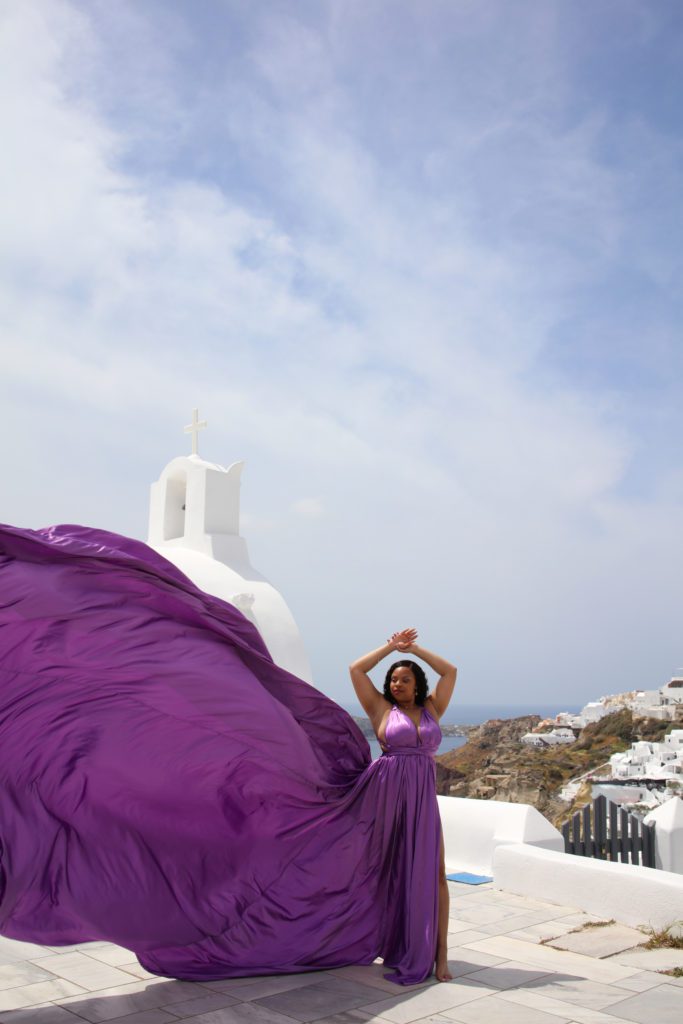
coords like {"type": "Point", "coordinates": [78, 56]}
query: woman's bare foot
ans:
{"type": "Point", "coordinates": [441, 972]}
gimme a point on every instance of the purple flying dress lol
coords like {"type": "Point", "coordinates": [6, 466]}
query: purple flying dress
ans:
{"type": "Point", "coordinates": [166, 787]}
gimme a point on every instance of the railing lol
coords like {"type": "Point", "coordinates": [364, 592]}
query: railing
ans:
{"type": "Point", "coordinates": [609, 832]}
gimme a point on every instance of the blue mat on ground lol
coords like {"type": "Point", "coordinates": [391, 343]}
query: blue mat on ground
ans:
{"type": "Point", "coordinates": [468, 878]}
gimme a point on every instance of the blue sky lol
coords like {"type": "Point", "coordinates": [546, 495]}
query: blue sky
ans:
{"type": "Point", "coordinates": [417, 263]}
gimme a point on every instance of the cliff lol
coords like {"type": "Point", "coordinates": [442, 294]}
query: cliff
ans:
{"type": "Point", "coordinates": [495, 765]}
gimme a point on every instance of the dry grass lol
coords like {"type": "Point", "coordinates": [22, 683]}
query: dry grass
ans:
{"type": "Point", "coordinates": [581, 928]}
{"type": "Point", "coordinates": [663, 939]}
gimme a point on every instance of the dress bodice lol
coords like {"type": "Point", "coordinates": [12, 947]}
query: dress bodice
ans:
{"type": "Point", "coordinates": [403, 735]}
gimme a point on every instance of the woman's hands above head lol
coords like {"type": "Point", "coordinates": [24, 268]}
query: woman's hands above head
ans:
{"type": "Point", "coordinates": [403, 640]}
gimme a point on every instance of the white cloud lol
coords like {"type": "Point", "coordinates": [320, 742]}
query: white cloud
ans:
{"type": "Point", "coordinates": [371, 337]}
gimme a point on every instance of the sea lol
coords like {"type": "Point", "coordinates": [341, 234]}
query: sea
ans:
{"type": "Point", "coordinates": [475, 714]}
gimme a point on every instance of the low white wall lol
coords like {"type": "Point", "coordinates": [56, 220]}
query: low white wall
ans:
{"type": "Point", "coordinates": [474, 829]}
{"type": "Point", "coordinates": [668, 822]}
{"type": "Point", "coordinates": [628, 893]}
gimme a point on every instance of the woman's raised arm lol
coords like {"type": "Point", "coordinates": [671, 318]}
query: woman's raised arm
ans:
{"type": "Point", "coordinates": [443, 691]}
{"type": "Point", "coordinates": [370, 698]}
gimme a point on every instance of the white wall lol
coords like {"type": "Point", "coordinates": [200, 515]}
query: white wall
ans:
{"type": "Point", "coordinates": [474, 829]}
{"type": "Point", "coordinates": [668, 822]}
{"type": "Point", "coordinates": [628, 893]}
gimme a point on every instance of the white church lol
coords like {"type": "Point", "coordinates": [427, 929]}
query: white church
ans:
{"type": "Point", "coordinates": [194, 522]}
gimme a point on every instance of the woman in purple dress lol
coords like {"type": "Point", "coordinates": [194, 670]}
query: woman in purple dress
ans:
{"type": "Point", "coordinates": [405, 719]}
{"type": "Point", "coordinates": [166, 787]}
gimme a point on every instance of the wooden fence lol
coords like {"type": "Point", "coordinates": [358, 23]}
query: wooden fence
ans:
{"type": "Point", "coordinates": [609, 832]}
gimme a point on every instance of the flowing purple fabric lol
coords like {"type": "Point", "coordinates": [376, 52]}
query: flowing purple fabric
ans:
{"type": "Point", "coordinates": [166, 787]}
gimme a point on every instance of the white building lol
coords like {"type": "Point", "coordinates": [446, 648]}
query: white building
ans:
{"type": "Point", "coordinates": [194, 522]}
{"type": "Point", "coordinates": [658, 761]}
{"type": "Point", "coordinates": [672, 693]}
{"type": "Point", "coordinates": [549, 739]}
{"type": "Point", "coordinates": [594, 711]}
{"type": "Point", "coordinates": [664, 704]}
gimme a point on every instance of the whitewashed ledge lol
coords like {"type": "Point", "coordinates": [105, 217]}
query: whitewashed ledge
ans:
{"type": "Point", "coordinates": [627, 893]}
{"type": "Point", "coordinates": [474, 829]}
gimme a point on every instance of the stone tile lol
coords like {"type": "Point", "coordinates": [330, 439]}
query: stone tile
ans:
{"type": "Point", "coordinates": [493, 1008]}
{"type": "Point", "coordinates": [578, 919]}
{"type": "Point", "coordinates": [41, 992]}
{"type": "Point", "coordinates": [580, 991]}
{"type": "Point", "coordinates": [651, 959]}
{"type": "Point", "coordinates": [144, 1017]}
{"type": "Point", "coordinates": [112, 955]}
{"type": "Point", "coordinates": [462, 938]}
{"type": "Point", "coordinates": [372, 975]}
{"type": "Point", "coordinates": [507, 975]}
{"type": "Point", "coordinates": [244, 1013]}
{"type": "Point", "coordinates": [642, 981]}
{"type": "Point", "coordinates": [406, 1008]}
{"type": "Point", "coordinates": [136, 970]}
{"type": "Point", "coordinates": [601, 941]}
{"type": "Point", "coordinates": [259, 988]}
{"type": "Point", "coordinates": [437, 1018]}
{"type": "Point", "coordinates": [459, 898]}
{"type": "Point", "coordinates": [455, 925]}
{"type": "Point", "coordinates": [542, 932]}
{"type": "Point", "coordinates": [42, 1013]}
{"type": "Point", "coordinates": [511, 924]}
{"type": "Point", "coordinates": [321, 999]}
{"type": "Point", "coordinates": [77, 947]}
{"type": "Point", "coordinates": [471, 961]}
{"type": "Point", "coordinates": [82, 970]}
{"type": "Point", "coordinates": [485, 914]}
{"type": "Point", "coordinates": [22, 973]}
{"type": "Point", "coordinates": [231, 984]}
{"type": "Point", "coordinates": [12, 949]}
{"type": "Point", "coordinates": [554, 909]}
{"type": "Point", "coordinates": [663, 1005]}
{"type": "Point", "coordinates": [202, 1004]}
{"type": "Point", "coordinates": [552, 959]}
{"type": "Point", "coordinates": [558, 1008]}
{"type": "Point", "coordinates": [462, 888]}
{"type": "Point", "coordinates": [108, 1004]}
{"type": "Point", "coordinates": [360, 1017]}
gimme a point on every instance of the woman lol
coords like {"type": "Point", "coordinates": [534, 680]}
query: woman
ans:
{"type": "Point", "coordinates": [403, 703]}
{"type": "Point", "coordinates": [166, 787]}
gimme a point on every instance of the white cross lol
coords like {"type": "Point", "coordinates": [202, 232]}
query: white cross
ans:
{"type": "Point", "coordinates": [194, 428]}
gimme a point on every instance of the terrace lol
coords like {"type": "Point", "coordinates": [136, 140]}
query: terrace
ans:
{"type": "Point", "coordinates": [503, 967]}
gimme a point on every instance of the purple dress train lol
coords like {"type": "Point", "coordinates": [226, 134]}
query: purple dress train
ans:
{"type": "Point", "coordinates": [166, 787]}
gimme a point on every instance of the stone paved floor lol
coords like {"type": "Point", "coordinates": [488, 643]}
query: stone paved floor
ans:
{"type": "Point", "coordinates": [502, 973]}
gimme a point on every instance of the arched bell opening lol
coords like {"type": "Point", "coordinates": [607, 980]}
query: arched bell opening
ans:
{"type": "Point", "coordinates": [175, 506]}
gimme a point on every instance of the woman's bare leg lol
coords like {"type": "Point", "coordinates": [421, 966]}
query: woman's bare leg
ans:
{"type": "Point", "coordinates": [441, 971]}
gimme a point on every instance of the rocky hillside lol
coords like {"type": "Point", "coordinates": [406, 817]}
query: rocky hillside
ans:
{"type": "Point", "coordinates": [495, 765]}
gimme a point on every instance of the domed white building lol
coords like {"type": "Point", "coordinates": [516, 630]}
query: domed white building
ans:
{"type": "Point", "coordinates": [194, 522]}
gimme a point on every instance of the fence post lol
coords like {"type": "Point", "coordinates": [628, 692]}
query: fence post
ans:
{"type": "Point", "coordinates": [599, 809]}
{"type": "Point", "coordinates": [613, 832]}
{"type": "Point", "coordinates": [587, 837]}
{"type": "Point", "coordinates": [579, 847]}
{"type": "Point", "coordinates": [624, 838]}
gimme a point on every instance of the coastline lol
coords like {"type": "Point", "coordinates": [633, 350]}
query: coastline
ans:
{"type": "Point", "coordinates": [460, 719]}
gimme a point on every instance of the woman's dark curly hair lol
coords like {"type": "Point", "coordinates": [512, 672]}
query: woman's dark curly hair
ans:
{"type": "Point", "coordinates": [421, 687]}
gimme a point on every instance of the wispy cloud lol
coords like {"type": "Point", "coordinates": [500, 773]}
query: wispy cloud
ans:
{"type": "Point", "coordinates": [389, 255]}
